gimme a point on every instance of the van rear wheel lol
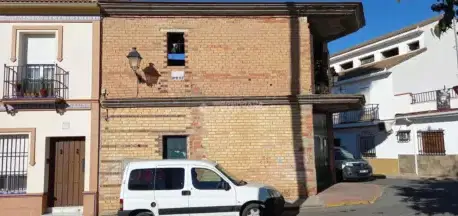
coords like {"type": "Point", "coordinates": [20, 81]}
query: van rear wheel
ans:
{"type": "Point", "coordinates": [253, 210]}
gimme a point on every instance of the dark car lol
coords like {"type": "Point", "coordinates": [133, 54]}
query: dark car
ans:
{"type": "Point", "coordinates": [349, 167]}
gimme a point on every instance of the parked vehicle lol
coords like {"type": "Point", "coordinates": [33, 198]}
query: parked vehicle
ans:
{"type": "Point", "coordinates": [349, 167]}
{"type": "Point", "coordinates": [191, 187]}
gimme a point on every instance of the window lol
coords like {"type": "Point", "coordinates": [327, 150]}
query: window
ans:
{"type": "Point", "coordinates": [341, 154]}
{"type": "Point", "coordinates": [175, 49]}
{"type": "Point", "coordinates": [156, 179]}
{"type": "Point", "coordinates": [403, 136]}
{"type": "Point", "coordinates": [390, 53]}
{"type": "Point", "coordinates": [431, 142]}
{"type": "Point", "coordinates": [346, 66]}
{"type": "Point", "coordinates": [205, 179]}
{"type": "Point", "coordinates": [414, 45]}
{"type": "Point", "coordinates": [13, 163]}
{"type": "Point", "coordinates": [174, 147]}
{"type": "Point", "coordinates": [367, 146]}
{"type": "Point", "coordinates": [367, 59]}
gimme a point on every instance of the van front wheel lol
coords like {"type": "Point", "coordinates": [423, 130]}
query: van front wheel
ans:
{"type": "Point", "coordinates": [253, 210]}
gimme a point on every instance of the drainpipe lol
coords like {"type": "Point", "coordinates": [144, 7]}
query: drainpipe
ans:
{"type": "Point", "coordinates": [415, 145]}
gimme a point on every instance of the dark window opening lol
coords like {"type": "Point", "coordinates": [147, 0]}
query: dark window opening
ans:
{"type": "Point", "coordinates": [367, 146]}
{"type": "Point", "coordinates": [367, 59]}
{"type": "Point", "coordinates": [346, 66]}
{"type": "Point", "coordinates": [390, 53]}
{"type": "Point", "coordinates": [403, 136]}
{"type": "Point", "coordinates": [174, 147]}
{"type": "Point", "coordinates": [414, 46]}
{"type": "Point", "coordinates": [156, 179]}
{"type": "Point", "coordinates": [175, 49]}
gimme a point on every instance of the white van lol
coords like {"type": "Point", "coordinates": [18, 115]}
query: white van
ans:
{"type": "Point", "coordinates": [192, 188]}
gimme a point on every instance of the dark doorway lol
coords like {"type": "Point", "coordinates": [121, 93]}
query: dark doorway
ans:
{"type": "Point", "coordinates": [66, 171]}
{"type": "Point", "coordinates": [174, 147]}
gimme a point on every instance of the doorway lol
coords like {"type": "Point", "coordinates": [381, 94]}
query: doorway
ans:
{"type": "Point", "coordinates": [66, 171]}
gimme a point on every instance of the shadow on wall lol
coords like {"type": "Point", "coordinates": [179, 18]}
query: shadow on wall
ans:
{"type": "Point", "coordinates": [296, 118]}
{"type": "Point", "coordinates": [150, 75]}
{"type": "Point", "coordinates": [430, 196]}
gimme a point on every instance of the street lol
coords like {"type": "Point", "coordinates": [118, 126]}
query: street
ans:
{"type": "Point", "coordinates": [403, 198]}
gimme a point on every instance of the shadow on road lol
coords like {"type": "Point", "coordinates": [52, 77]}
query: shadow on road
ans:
{"type": "Point", "coordinates": [430, 196]}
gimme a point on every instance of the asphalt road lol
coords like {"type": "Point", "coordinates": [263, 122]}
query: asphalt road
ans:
{"type": "Point", "coordinates": [403, 198]}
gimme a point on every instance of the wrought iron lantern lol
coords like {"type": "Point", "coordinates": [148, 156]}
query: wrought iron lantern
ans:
{"type": "Point", "coordinates": [134, 59]}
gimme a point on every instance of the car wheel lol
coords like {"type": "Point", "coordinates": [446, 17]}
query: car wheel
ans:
{"type": "Point", "coordinates": [144, 214]}
{"type": "Point", "coordinates": [253, 210]}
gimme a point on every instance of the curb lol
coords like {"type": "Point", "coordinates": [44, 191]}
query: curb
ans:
{"type": "Point", "coordinates": [379, 192]}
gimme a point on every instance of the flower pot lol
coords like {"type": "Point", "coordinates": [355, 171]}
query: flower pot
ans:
{"type": "Point", "coordinates": [455, 88]}
{"type": "Point", "coordinates": [43, 93]}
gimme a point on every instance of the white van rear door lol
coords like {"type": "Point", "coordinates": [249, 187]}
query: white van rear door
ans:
{"type": "Point", "coordinates": [139, 188]}
{"type": "Point", "coordinates": [171, 190]}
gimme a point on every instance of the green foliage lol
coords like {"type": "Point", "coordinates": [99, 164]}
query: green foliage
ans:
{"type": "Point", "coordinates": [448, 9]}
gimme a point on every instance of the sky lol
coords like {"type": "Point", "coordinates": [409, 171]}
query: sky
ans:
{"type": "Point", "coordinates": [385, 16]}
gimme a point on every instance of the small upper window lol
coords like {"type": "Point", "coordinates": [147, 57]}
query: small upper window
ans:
{"type": "Point", "coordinates": [175, 49]}
{"type": "Point", "coordinates": [346, 66]}
{"type": "Point", "coordinates": [414, 46]}
{"type": "Point", "coordinates": [367, 59]}
{"type": "Point", "coordinates": [390, 53]}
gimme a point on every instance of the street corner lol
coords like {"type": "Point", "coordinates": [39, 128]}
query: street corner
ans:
{"type": "Point", "coordinates": [345, 194]}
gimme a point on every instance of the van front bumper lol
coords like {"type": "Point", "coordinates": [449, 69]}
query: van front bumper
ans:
{"type": "Point", "coordinates": [275, 206]}
{"type": "Point", "coordinates": [124, 213]}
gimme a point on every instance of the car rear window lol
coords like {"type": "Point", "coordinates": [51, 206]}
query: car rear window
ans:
{"type": "Point", "coordinates": [156, 179]}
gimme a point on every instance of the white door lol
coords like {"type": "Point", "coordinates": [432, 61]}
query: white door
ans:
{"type": "Point", "coordinates": [171, 191]}
{"type": "Point", "coordinates": [209, 196]}
{"type": "Point", "coordinates": [139, 193]}
{"type": "Point", "coordinates": [39, 53]}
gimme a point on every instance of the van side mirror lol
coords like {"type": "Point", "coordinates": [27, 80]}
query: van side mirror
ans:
{"type": "Point", "coordinates": [226, 186]}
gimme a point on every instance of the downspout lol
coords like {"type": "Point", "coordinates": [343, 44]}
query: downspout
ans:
{"type": "Point", "coordinates": [415, 149]}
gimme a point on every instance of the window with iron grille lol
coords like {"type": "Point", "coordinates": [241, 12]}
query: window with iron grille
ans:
{"type": "Point", "coordinates": [431, 142]}
{"type": "Point", "coordinates": [367, 146]}
{"type": "Point", "coordinates": [13, 163]}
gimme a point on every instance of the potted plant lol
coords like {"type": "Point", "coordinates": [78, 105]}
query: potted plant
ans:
{"type": "Point", "coordinates": [43, 90]}
{"type": "Point", "coordinates": [455, 88]}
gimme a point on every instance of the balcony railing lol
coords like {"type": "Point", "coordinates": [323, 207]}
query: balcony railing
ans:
{"type": "Point", "coordinates": [429, 96]}
{"type": "Point", "coordinates": [367, 114]}
{"type": "Point", "coordinates": [35, 81]}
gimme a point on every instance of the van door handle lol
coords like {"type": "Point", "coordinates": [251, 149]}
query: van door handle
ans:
{"type": "Point", "coordinates": [185, 193]}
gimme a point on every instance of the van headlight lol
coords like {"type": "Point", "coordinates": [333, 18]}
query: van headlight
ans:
{"type": "Point", "coordinates": [347, 164]}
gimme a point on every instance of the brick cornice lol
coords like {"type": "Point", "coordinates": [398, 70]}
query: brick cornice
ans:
{"type": "Point", "coordinates": [350, 100]}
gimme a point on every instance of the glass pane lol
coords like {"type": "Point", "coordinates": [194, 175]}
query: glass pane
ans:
{"type": "Point", "coordinates": [175, 147]}
{"type": "Point", "coordinates": [141, 179]}
{"type": "Point", "coordinates": [205, 179]}
{"type": "Point", "coordinates": [169, 179]}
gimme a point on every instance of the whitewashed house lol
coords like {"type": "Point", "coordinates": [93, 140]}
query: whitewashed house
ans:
{"type": "Point", "coordinates": [410, 122]}
{"type": "Point", "coordinates": [49, 112]}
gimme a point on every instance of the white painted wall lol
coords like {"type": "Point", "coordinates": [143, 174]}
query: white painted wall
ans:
{"type": "Point", "coordinates": [49, 124]}
{"type": "Point", "coordinates": [77, 55]}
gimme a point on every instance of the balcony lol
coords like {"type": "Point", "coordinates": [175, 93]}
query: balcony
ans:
{"type": "Point", "coordinates": [34, 84]}
{"type": "Point", "coordinates": [441, 100]}
{"type": "Point", "coordinates": [369, 113]}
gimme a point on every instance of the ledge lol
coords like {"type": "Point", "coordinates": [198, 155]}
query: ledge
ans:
{"type": "Point", "coordinates": [326, 103]}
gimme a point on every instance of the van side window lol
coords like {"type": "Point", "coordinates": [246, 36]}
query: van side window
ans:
{"type": "Point", "coordinates": [141, 179]}
{"type": "Point", "coordinates": [156, 179]}
{"type": "Point", "coordinates": [169, 179]}
{"type": "Point", "coordinates": [205, 179]}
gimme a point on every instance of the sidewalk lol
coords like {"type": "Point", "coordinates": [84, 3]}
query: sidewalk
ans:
{"type": "Point", "coordinates": [345, 194]}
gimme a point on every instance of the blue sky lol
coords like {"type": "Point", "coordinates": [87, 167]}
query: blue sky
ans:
{"type": "Point", "coordinates": [384, 16]}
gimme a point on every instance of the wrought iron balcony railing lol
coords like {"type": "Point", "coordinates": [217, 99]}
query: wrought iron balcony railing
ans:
{"type": "Point", "coordinates": [366, 114]}
{"type": "Point", "coordinates": [35, 81]}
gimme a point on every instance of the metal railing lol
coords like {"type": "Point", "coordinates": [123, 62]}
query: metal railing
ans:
{"type": "Point", "coordinates": [35, 81]}
{"type": "Point", "coordinates": [429, 96]}
{"type": "Point", "coordinates": [369, 113]}
{"type": "Point", "coordinates": [367, 146]}
{"type": "Point", "coordinates": [13, 163]}
{"type": "Point", "coordinates": [431, 142]}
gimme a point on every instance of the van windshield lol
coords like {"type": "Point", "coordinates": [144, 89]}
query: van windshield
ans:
{"type": "Point", "coordinates": [231, 177]}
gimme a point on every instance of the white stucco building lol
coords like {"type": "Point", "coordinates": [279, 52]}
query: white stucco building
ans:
{"type": "Point", "coordinates": [49, 112]}
{"type": "Point", "coordinates": [408, 126]}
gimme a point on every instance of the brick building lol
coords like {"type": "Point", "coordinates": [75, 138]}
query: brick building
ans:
{"type": "Point", "coordinates": [244, 84]}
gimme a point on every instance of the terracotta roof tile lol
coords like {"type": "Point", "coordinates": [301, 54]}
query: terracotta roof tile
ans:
{"type": "Point", "coordinates": [47, 1]}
